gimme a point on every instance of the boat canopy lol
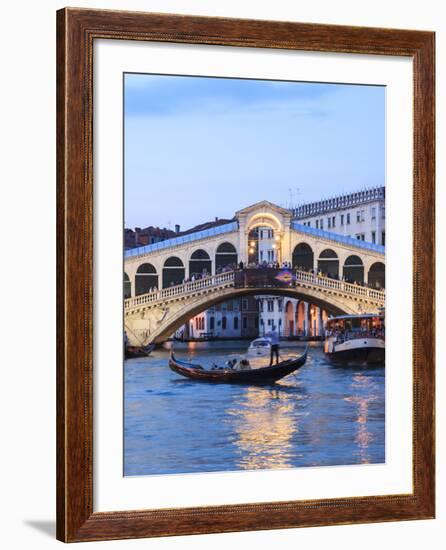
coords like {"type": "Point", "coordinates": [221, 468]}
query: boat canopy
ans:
{"type": "Point", "coordinates": [357, 316]}
{"type": "Point", "coordinates": [260, 343]}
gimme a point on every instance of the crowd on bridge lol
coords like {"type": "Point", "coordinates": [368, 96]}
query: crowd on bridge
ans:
{"type": "Point", "coordinates": [267, 265]}
{"type": "Point", "coordinates": [311, 271]}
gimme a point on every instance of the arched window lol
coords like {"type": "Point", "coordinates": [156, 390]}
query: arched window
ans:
{"type": "Point", "coordinates": [226, 256]}
{"type": "Point", "coordinates": [354, 270]}
{"type": "Point", "coordinates": [200, 264]}
{"type": "Point", "coordinates": [377, 275]}
{"type": "Point", "coordinates": [173, 261]}
{"type": "Point", "coordinates": [127, 286]}
{"type": "Point", "coordinates": [328, 263]}
{"type": "Point", "coordinates": [303, 257]}
{"type": "Point", "coordinates": [146, 279]}
{"type": "Point", "coordinates": [235, 323]}
{"type": "Point", "coordinates": [290, 319]}
{"type": "Point", "coordinates": [301, 319]}
{"type": "Point", "coordinates": [173, 272]}
{"type": "Point", "coordinates": [223, 322]}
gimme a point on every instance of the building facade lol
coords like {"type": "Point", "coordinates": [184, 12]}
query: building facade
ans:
{"type": "Point", "coordinates": [255, 316]}
{"type": "Point", "coordinates": [238, 318]}
{"type": "Point", "coordinates": [360, 215]}
{"type": "Point", "coordinates": [290, 318]}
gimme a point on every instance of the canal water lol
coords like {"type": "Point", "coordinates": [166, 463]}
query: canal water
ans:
{"type": "Point", "coordinates": [321, 416]}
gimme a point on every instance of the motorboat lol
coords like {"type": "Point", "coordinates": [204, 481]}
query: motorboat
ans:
{"type": "Point", "coordinates": [260, 347]}
{"type": "Point", "coordinates": [355, 339]}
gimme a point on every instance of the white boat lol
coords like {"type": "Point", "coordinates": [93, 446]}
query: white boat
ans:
{"type": "Point", "coordinates": [260, 347]}
{"type": "Point", "coordinates": [355, 339]}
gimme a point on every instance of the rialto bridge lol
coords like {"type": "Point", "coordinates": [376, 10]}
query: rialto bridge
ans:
{"type": "Point", "coordinates": [168, 282]}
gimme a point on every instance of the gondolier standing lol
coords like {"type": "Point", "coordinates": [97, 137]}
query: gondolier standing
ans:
{"type": "Point", "coordinates": [273, 337]}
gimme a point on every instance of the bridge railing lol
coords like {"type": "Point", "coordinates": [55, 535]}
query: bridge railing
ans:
{"type": "Point", "coordinates": [343, 286]}
{"type": "Point", "coordinates": [229, 278]}
{"type": "Point", "coordinates": [177, 290]}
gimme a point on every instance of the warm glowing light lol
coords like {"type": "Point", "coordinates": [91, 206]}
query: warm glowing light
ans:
{"type": "Point", "coordinates": [264, 429]}
{"type": "Point", "coordinates": [253, 243]}
{"type": "Point", "coordinates": [274, 246]}
{"type": "Point", "coordinates": [277, 238]}
{"type": "Point", "coordinates": [251, 250]}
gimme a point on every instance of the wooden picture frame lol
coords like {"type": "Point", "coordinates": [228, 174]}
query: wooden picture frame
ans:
{"type": "Point", "coordinates": [76, 31]}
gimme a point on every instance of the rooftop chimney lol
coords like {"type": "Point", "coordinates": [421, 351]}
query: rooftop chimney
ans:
{"type": "Point", "coordinates": [177, 228]}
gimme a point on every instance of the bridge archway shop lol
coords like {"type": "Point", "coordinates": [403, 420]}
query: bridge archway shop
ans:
{"type": "Point", "coordinates": [146, 279]}
{"type": "Point", "coordinates": [354, 270]}
{"type": "Point", "coordinates": [226, 255]}
{"type": "Point", "coordinates": [303, 257]}
{"type": "Point", "coordinates": [377, 275]}
{"type": "Point", "coordinates": [173, 272]}
{"type": "Point", "coordinates": [127, 286]}
{"type": "Point", "coordinates": [200, 263]}
{"type": "Point", "coordinates": [328, 263]}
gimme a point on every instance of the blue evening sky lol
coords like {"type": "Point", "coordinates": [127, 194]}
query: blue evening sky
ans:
{"type": "Point", "coordinates": [198, 147]}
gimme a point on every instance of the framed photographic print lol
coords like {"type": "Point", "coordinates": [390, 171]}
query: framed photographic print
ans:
{"type": "Point", "coordinates": [245, 275]}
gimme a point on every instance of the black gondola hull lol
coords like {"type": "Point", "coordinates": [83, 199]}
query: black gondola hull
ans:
{"type": "Point", "coordinates": [134, 352]}
{"type": "Point", "coordinates": [264, 375]}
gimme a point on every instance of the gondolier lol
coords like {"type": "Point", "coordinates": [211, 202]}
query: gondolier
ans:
{"type": "Point", "coordinates": [273, 337]}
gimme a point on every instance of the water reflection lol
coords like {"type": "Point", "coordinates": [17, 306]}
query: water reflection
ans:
{"type": "Point", "coordinates": [321, 416]}
{"type": "Point", "coordinates": [264, 422]}
{"type": "Point", "coordinates": [366, 391]}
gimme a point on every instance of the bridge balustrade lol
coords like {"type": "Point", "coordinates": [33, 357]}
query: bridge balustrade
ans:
{"type": "Point", "coordinates": [255, 278]}
{"type": "Point", "coordinates": [177, 290]}
{"type": "Point", "coordinates": [343, 286]}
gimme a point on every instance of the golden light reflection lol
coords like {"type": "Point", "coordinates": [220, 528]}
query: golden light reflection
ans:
{"type": "Point", "coordinates": [264, 425]}
{"type": "Point", "coordinates": [363, 436]}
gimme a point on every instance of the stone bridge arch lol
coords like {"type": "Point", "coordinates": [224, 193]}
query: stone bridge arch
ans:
{"type": "Point", "coordinates": [173, 316]}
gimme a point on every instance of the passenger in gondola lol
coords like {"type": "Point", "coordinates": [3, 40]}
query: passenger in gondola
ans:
{"type": "Point", "coordinates": [244, 365]}
{"type": "Point", "coordinates": [231, 363]}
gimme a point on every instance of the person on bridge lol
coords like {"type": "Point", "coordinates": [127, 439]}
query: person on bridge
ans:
{"type": "Point", "coordinates": [273, 337]}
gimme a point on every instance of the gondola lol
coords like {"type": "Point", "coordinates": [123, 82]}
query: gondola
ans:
{"type": "Point", "coordinates": [262, 375]}
{"type": "Point", "coordinates": [133, 352]}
